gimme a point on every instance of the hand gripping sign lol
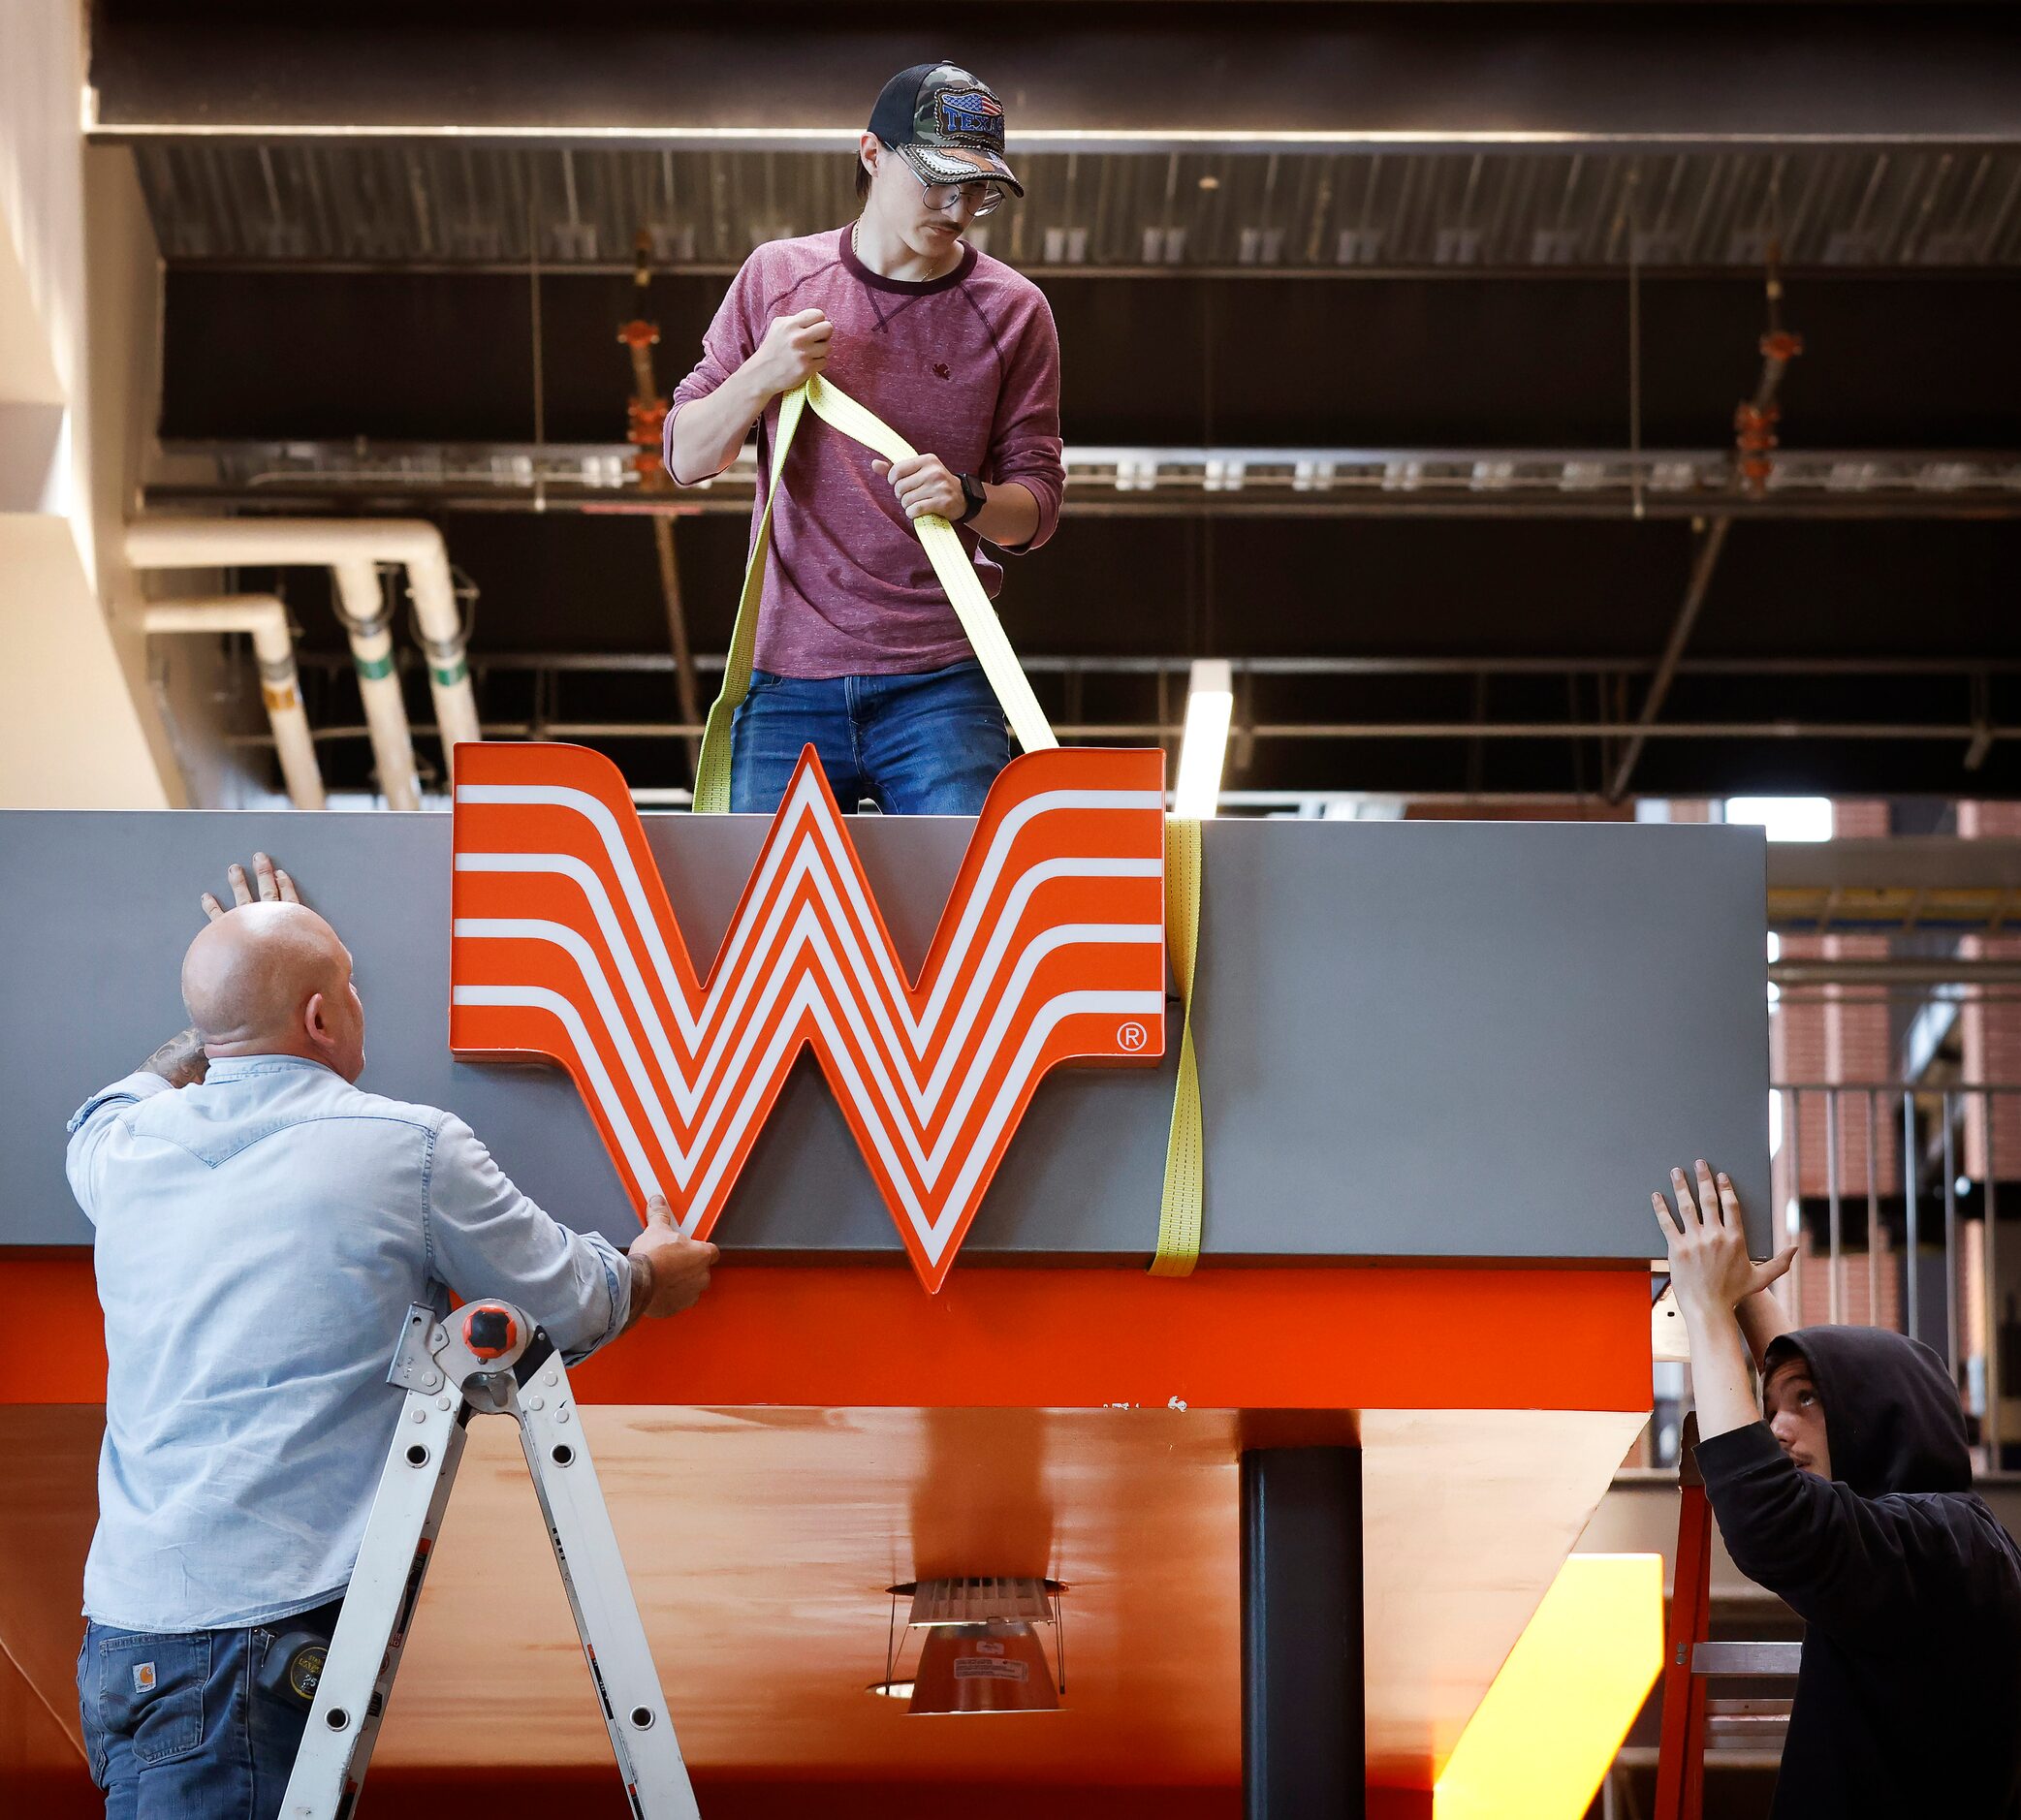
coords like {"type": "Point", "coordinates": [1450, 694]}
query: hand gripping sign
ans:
{"type": "Point", "coordinates": [1050, 950]}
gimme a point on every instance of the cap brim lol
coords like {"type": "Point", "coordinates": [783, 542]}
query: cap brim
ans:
{"type": "Point", "coordinates": [948, 164]}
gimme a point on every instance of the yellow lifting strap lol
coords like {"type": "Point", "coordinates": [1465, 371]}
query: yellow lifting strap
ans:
{"type": "Point", "coordinates": [944, 549]}
{"type": "Point", "coordinates": [1178, 1215]}
{"type": "Point", "coordinates": [1178, 1219]}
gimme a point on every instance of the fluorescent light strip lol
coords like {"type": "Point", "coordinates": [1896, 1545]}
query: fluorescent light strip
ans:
{"type": "Point", "coordinates": [1210, 705]}
{"type": "Point", "coordinates": [1032, 139]}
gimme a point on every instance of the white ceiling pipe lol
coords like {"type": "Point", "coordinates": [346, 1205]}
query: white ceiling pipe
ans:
{"type": "Point", "coordinates": [368, 625]}
{"type": "Point", "coordinates": [434, 592]}
{"type": "Point", "coordinates": [350, 546]}
{"type": "Point", "coordinates": [266, 619]}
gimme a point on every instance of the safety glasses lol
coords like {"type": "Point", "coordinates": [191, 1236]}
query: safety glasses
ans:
{"type": "Point", "coordinates": [984, 198]}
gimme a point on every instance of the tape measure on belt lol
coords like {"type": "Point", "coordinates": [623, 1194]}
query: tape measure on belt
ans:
{"type": "Point", "coordinates": [1180, 1210]}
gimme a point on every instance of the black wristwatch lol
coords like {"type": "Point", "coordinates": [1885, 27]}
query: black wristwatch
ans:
{"type": "Point", "coordinates": [972, 492]}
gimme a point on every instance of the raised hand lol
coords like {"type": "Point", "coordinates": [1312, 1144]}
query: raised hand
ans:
{"type": "Point", "coordinates": [1707, 1239]}
{"type": "Point", "coordinates": [272, 885]}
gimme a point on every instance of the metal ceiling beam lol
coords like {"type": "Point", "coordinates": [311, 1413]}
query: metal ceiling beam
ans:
{"type": "Point", "coordinates": [1089, 76]}
{"type": "Point", "coordinates": [1921, 731]}
{"type": "Point", "coordinates": [1039, 270]}
{"type": "Point", "coordinates": [355, 204]}
{"type": "Point", "coordinates": [1799, 896]}
{"type": "Point", "coordinates": [1901, 885]}
{"type": "Point", "coordinates": [1895, 862]}
{"type": "Point", "coordinates": [1137, 664]}
{"type": "Point", "coordinates": [1902, 972]}
{"type": "Point", "coordinates": [1147, 482]}
{"type": "Point", "coordinates": [1703, 563]}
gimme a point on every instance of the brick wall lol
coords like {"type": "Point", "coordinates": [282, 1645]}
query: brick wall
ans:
{"type": "Point", "coordinates": [1841, 1034]}
{"type": "Point", "coordinates": [1992, 1032]}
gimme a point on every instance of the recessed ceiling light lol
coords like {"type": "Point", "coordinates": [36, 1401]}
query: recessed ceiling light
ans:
{"type": "Point", "coordinates": [996, 1667]}
{"type": "Point", "coordinates": [979, 1651]}
{"type": "Point", "coordinates": [1210, 183]}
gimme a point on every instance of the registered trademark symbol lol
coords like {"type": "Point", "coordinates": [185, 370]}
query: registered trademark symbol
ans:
{"type": "Point", "coordinates": [1132, 1036]}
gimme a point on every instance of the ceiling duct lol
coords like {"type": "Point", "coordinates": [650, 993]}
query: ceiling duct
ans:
{"type": "Point", "coordinates": [983, 1667]}
{"type": "Point", "coordinates": [981, 1651]}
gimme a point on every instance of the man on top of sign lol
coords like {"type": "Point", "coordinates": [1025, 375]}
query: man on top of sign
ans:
{"type": "Point", "coordinates": [859, 652]}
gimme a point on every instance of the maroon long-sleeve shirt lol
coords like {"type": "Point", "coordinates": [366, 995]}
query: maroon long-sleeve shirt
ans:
{"type": "Point", "coordinates": [965, 366]}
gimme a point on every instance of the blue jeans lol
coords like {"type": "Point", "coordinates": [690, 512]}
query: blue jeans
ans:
{"type": "Point", "coordinates": [925, 744]}
{"type": "Point", "coordinates": [198, 1724]}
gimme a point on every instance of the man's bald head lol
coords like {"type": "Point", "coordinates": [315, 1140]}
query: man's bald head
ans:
{"type": "Point", "coordinates": [249, 979]}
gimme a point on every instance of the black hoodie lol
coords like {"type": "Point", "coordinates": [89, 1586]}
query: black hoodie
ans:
{"type": "Point", "coordinates": [1909, 1702]}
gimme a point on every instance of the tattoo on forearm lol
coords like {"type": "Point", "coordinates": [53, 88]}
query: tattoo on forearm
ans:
{"type": "Point", "coordinates": [180, 1060]}
{"type": "Point", "coordinates": [645, 1280]}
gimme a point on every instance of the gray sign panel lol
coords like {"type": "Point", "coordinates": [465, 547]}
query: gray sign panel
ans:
{"type": "Point", "coordinates": [1417, 1038]}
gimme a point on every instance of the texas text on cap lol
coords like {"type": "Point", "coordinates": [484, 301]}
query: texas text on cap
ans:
{"type": "Point", "coordinates": [945, 123]}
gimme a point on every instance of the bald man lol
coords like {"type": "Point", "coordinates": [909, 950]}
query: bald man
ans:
{"type": "Point", "coordinates": [262, 1227]}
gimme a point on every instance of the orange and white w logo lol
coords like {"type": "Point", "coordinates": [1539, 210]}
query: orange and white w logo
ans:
{"type": "Point", "coordinates": [1050, 950]}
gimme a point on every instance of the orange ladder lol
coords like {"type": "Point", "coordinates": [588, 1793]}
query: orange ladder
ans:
{"type": "Point", "coordinates": [1692, 1723]}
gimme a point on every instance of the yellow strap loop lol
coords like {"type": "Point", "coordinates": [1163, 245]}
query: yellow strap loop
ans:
{"type": "Point", "coordinates": [713, 767]}
{"type": "Point", "coordinates": [944, 550]}
{"type": "Point", "coordinates": [1180, 1210]}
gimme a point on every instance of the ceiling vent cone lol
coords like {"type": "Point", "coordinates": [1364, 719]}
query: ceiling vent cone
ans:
{"type": "Point", "coordinates": [998, 1667]}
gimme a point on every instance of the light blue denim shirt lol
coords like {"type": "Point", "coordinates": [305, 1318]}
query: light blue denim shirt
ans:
{"type": "Point", "coordinates": [259, 1240]}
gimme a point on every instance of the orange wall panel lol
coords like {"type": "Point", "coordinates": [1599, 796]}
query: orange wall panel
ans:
{"type": "Point", "coordinates": [41, 1773]}
{"type": "Point", "coordinates": [863, 1336]}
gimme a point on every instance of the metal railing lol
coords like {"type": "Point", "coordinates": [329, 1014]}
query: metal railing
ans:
{"type": "Point", "coordinates": [1907, 1240]}
{"type": "Point", "coordinates": [1923, 1222]}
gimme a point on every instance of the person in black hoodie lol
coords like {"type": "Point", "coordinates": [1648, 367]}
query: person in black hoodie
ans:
{"type": "Point", "coordinates": [1853, 1502]}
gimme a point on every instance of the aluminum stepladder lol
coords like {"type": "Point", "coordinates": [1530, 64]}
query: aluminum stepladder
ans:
{"type": "Point", "coordinates": [488, 1359]}
{"type": "Point", "coordinates": [1692, 1723]}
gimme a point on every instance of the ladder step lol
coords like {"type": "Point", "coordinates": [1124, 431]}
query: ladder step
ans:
{"type": "Point", "coordinates": [1746, 1724]}
{"type": "Point", "coordinates": [1720, 1740]}
{"type": "Point", "coordinates": [1768, 1659]}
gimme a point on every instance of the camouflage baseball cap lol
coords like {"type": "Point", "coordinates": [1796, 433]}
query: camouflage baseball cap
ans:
{"type": "Point", "coordinates": [945, 123]}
